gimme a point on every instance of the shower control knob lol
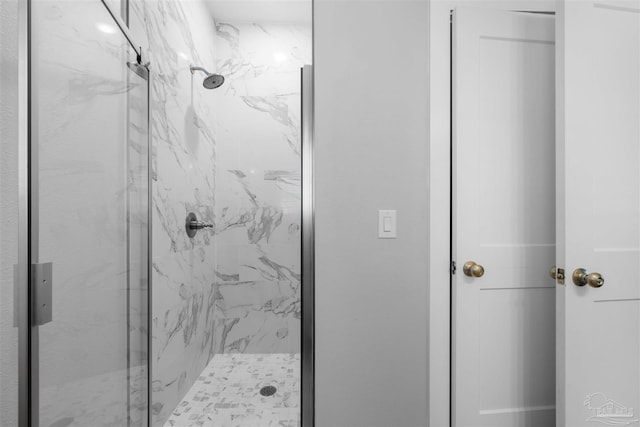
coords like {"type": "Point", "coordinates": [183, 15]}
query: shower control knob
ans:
{"type": "Point", "coordinates": [472, 269]}
{"type": "Point", "coordinates": [199, 225]}
{"type": "Point", "coordinates": [192, 225]}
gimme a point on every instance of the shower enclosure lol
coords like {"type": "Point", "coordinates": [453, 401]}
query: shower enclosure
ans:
{"type": "Point", "coordinates": [113, 312]}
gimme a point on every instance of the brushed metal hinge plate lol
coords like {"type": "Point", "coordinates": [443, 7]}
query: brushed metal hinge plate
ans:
{"type": "Point", "coordinates": [42, 293]}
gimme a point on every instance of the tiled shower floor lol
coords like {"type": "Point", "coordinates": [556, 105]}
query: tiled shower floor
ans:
{"type": "Point", "coordinates": [227, 393]}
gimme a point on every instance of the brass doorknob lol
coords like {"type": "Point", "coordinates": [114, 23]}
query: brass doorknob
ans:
{"type": "Point", "coordinates": [581, 277]}
{"type": "Point", "coordinates": [472, 269]}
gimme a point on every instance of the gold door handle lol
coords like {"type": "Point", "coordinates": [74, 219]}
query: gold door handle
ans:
{"type": "Point", "coordinates": [557, 274]}
{"type": "Point", "coordinates": [472, 269]}
{"type": "Point", "coordinates": [581, 278]}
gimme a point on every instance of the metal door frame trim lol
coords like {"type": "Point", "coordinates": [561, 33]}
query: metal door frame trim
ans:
{"type": "Point", "coordinates": [149, 252]}
{"type": "Point", "coordinates": [122, 23]}
{"type": "Point", "coordinates": [22, 305]}
{"type": "Point", "coordinates": [307, 384]}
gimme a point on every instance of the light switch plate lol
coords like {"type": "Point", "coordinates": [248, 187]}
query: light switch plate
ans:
{"type": "Point", "coordinates": [387, 227]}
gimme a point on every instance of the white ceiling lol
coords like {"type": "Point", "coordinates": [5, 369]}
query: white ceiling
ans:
{"type": "Point", "coordinates": [258, 11]}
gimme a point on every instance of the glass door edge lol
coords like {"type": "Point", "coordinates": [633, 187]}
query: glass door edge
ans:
{"type": "Point", "coordinates": [307, 415]}
{"type": "Point", "coordinates": [123, 25]}
{"type": "Point", "coordinates": [22, 275]}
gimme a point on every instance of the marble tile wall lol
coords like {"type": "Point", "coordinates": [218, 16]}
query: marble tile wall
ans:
{"type": "Point", "coordinates": [258, 171]}
{"type": "Point", "coordinates": [176, 34]}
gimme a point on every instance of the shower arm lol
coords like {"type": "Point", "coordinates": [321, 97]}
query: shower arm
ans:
{"type": "Point", "coordinates": [194, 69]}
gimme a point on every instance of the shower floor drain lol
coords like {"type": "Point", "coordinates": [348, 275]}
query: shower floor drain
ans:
{"type": "Point", "coordinates": [268, 390]}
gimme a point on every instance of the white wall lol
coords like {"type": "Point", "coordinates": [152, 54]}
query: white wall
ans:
{"type": "Point", "coordinates": [373, 108]}
{"type": "Point", "coordinates": [371, 142]}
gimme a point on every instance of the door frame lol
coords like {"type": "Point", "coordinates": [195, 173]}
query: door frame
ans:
{"type": "Point", "coordinates": [439, 262]}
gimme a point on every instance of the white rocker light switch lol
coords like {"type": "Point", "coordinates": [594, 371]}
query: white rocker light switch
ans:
{"type": "Point", "coordinates": [387, 228]}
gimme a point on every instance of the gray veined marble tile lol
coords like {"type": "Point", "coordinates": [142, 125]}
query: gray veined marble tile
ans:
{"type": "Point", "coordinates": [179, 34]}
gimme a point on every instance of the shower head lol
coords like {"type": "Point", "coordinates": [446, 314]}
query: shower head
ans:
{"type": "Point", "coordinates": [212, 81]}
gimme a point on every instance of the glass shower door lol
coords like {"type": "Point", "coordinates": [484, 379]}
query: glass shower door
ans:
{"type": "Point", "coordinates": [13, 226]}
{"type": "Point", "coordinates": [89, 218]}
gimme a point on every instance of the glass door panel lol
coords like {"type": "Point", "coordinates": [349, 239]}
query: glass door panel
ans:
{"type": "Point", "coordinates": [9, 212]}
{"type": "Point", "coordinates": [89, 216]}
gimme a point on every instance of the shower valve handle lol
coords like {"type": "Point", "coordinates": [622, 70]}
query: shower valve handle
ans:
{"type": "Point", "coordinates": [192, 225]}
{"type": "Point", "coordinates": [199, 225]}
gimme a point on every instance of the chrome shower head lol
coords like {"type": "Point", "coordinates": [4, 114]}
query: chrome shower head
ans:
{"type": "Point", "coordinates": [212, 81]}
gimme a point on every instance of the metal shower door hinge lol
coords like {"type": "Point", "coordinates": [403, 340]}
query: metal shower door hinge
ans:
{"type": "Point", "coordinates": [42, 293]}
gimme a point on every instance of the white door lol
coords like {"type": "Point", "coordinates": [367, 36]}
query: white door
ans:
{"type": "Point", "coordinates": [599, 212]}
{"type": "Point", "coordinates": [503, 218]}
